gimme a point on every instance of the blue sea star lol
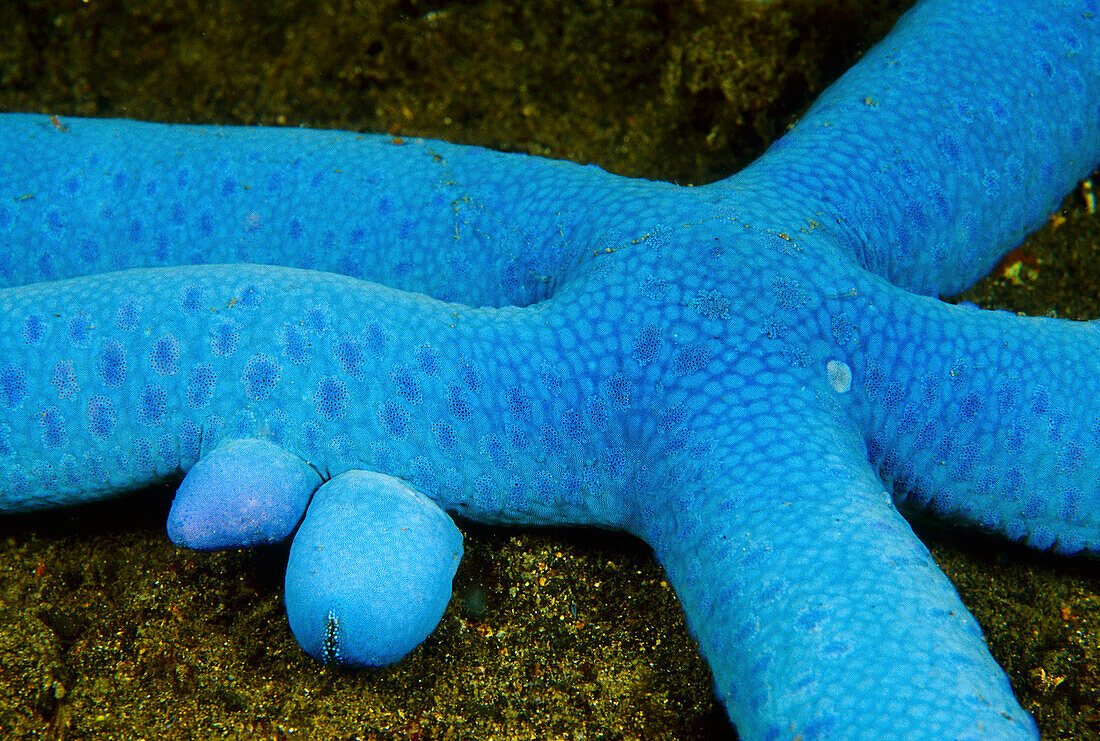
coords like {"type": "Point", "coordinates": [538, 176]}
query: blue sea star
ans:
{"type": "Point", "coordinates": [798, 292]}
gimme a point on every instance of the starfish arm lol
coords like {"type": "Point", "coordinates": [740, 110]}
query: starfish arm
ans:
{"type": "Point", "coordinates": [984, 416]}
{"type": "Point", "coordinates": [115, 381]}
{"type": "Point", "coordinates": [929, 159]}
{"type": "Point", "coordinates": [243, 493]}
{"type": "Point", "coordinates": [819, 611]}
{"type": "Point", "coordinates": [459, 223]}
{"type": "Point", "coordinates": [370, 570]}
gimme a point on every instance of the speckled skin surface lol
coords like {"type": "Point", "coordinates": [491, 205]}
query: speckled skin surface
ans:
{"type": "Point", "coordinates": [692, 361]}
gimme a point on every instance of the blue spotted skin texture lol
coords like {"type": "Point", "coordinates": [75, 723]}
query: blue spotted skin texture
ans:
{"type": "Point", "coordinates": [751, 376]}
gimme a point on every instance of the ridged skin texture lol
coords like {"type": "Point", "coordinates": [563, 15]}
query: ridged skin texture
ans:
{"type": "Point", "coordinates": [753, 376]}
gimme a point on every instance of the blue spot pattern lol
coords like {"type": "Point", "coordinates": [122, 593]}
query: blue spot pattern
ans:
{"type": "Point", "coordinates": [753, 376]}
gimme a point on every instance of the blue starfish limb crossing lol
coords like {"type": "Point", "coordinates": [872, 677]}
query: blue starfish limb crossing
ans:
{"type": "Point", "coordinates": [752, 376]}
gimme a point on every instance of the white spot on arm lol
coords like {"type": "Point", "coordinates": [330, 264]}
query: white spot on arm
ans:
{"type": "Point", "coordinates": [839, 375]}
